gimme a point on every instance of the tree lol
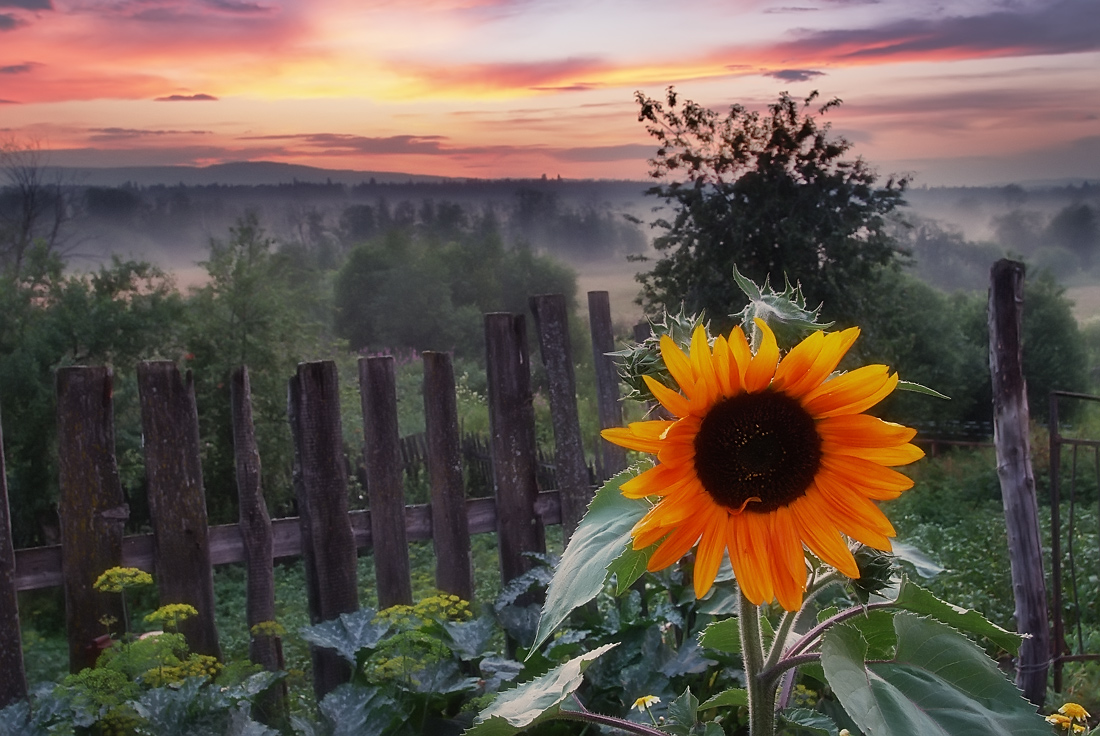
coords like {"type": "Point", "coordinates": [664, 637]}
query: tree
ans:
{"type": "Point", "coordinates": [34, 205]}
{"type": "Point", "coordinates": [258, 309]}
{"type": "Point", "coordinates": [771, 194]}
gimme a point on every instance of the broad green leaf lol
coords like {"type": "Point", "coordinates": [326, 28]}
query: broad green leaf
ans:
{"type": "Point", "coordinates": [630, 566]}
{"type": "Point", "coordinates": [827, 613]}
{"type": "Point", "coordinates": [939, 682]}
{"type": "Point", "coordinates": [877, 627]}
{"type": "Point", "coordinates": [602, 537]}
{"type": "Point", "coordinates": [912, 597]}
{"type": "Point", "coordinates": [536, 701]}
{"type": "Point", "coordinates": [348, 634]}
{"type": "Point", "coordinates": [353, 710]}
{"type": "Point", "coordinates": [682, 714]}
{"type": "Point", "coordinates": [809, 721]}
{"type": "Point", "coordinates": [724, 635]}
{"type": "Point", "coordinates": [732, 698]}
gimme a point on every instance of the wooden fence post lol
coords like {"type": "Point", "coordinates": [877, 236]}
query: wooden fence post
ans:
{"type": "Point", "coordinates": [571, 471]}
{"type": "Point", "coordinates": [1010, 434]}
{"type": "Point", "coordinates": [92, 507]}
{"type": "Point", "coordinates": [13, 679]}
{"type": "Point", "coordinates": [177, 503]}
{"type": "Point", "coordinates": [512, 429]}
{"type": "Point", "coordinates": [612, 457]}
{"type": "Point", "coordinates": [385, 487]}
{"type": "Point", "coordinates": [255, 526]}
{"type": "Point", "coordinates": [321, 486]}
{"type": "Point", "coordinates": [450, 529]}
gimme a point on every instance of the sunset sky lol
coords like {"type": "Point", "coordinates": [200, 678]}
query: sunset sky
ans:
{"type": "Point", "coordinates": [960, 92]}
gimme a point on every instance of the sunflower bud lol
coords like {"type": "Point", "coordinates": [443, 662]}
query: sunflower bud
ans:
{"type": "Point", "coordinates": [876, 569]}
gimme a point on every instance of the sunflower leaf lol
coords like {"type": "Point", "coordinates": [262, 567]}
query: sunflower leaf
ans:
{"type": "Point", "coordinates": [913, 597]}
{"type": "Point", "coordinates": [732, 698]}
{"type": "Point", "coordinates": [724, 635]}
{"type": "Point", "coordinates": [919, 389]}
{"type": "Point", "coordinates": [602, 537]}
{"type": "Point", "coordinates": [806, 721]}
{"type": "Point", "coordinates": [540, 699]}
{"type": "Point", "coordinates": [937, 682]}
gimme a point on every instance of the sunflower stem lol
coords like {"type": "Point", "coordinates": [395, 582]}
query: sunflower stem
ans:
{"type": "Point", "coordinates": [761, 691]}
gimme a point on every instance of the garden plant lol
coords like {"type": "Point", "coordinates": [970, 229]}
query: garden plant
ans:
{"type": "Point", "coordinates": [766, 453]}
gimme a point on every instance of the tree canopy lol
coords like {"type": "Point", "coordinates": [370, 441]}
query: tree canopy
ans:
{"type": "Point", "coordinates": [770, 193]}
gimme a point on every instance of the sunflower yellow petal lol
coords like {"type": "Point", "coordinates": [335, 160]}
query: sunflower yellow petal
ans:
{"type": "Point", "coordinates": [740, 352]}
{"type": "Point", "coordinates": [660, 480]}
{"type": "Point", "coordinates": [706, 389]}
{"type": "Point", "coordinates": [900, 455]}
{"type": "Point", "coordinates": [708, 558]}
{"type": "Point", "coordinates": [863, 430]}
{"type": "Point", "coordinates": [678, 365]}
{"type": "Point", "coordinates": [676, 404]}
{"type": "Point", "coordinates": [677, 544]}
{"type": "Point", "coordinates": [788, 563]}
{"type": "Point", "coordinates": [837, 394]}
{"type": "Point", "coordinates": [729, 380]}
{"type": "Point", "coordinates": [623, 437]}
{"type": "Point", "coordinates": [762, 367]}
{"type": "Point", "coordinates": [865, 474]}
{"type": "Point", "coordinates": [833, 350]}
{"type": "Point", "coordinates": [818, 532]}
{"type": "Point", "coordinates": [750, 576]}
{"type": "Point", "coordinates": [798, 361]}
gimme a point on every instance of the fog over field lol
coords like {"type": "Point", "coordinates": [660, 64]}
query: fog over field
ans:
{"type": "Point", "coordinates": [168, 215]}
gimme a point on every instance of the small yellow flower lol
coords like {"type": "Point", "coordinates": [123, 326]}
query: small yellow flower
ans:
{"type": "Point", "coordinates": [268, 628]}
{"type": "Point", "coordinates": [118, 579]}
{"type": "Point", "coordinates": [645, 701]}
{"type": "Point", "coordinates": [1057, 719]}
{"type": "Point", "coordinates": [1074, 711]}
{"type": "Point", "coordinates": [171, 615]}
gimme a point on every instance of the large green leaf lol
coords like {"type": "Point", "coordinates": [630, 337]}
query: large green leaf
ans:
{"type": "Point", "coordinates": [912, 597]}
{"type": "Point", "coordinates": [352, 710]}
{"type": "Point", "coordinates": [938, 682]}
{"type": "Point", "coordinates": [348, 634]}
{"type": "Point", "coordinates": [724, 635]}
{"type": "Point", "coordinates": [535, 701]}
{"type": "Point", "coordinates": [733, 698]}
{"type": "Point", "coordinates": [804, 721]}
{"type": "Point", "coordinates": [602, 537]}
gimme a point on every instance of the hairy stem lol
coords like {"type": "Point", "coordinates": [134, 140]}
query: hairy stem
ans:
{"type": "Point", "coordinates": [583, 714]}
{"type": "Point", "coordinates": [761, 691]}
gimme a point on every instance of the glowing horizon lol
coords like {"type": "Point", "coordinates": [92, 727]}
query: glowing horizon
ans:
{"type": "Point", "coordinates": [983, 93]}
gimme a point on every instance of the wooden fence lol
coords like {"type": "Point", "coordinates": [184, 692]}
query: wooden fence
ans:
{"type": "Point", "coordinates": [182, 549]}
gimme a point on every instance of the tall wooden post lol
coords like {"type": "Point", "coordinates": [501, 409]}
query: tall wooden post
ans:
{"type": "Point", "coordinates": [177, 503]}
{"type": "Point", "coordinates": [512, 426]}
{"type": "Point", "coordinates": [382, 455]}
{"type": "Point", "coordinates": [571, 471]}
{"type": "Point", "coordinates": [13, 679]}
{"type": "Point", "coordinates": [612, 457]}
{"type": "Point", "coordinates": [1010, 434]}
{"type": "Point", "coordinates": [450, 530]}
{"type": "Point", "coordinates": [255, 526]}
{"type": "Point", "coordinates": [321, 486]}
{"type": "Point", "coordinates": [92, 508]}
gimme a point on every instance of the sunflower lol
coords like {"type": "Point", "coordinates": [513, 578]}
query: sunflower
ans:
{"type": "Point", "coordinates": [764, 456]}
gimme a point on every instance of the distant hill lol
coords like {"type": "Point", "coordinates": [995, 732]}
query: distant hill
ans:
{"type": "Point", "coordinates": [239, 173]}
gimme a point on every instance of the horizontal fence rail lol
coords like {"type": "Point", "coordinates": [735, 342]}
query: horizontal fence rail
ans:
{"type": "Point", "coordinates": [40, 567]}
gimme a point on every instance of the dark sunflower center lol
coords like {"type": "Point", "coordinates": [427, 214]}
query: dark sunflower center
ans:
{"type": "Point", "coordinates": [760, 445]}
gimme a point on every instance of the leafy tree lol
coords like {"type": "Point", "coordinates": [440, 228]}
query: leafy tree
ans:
{"type": "Point", "coordinates": [260, 309]}
{"type": "Point", "coordinates": [34, 205]}
{"type": "Point", "coordinates": [125, 312]}
{"type": "Point", "coordinates": [771, 194]}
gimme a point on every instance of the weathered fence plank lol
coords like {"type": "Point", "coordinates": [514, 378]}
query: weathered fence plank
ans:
{"type": "Point", "coordinates": [1010, 435]}
{"type": "Point", "coordinates": [321, 486]}
{"type": "Point", "coordinates": [571, 470]}
{"type": "Point", "coordinates": [254, 525]}
{"type": "Point", "coordinates": [177, 502]}
{"type": "Point", "coordinates": [385, 487]}
{"type": "Point", "coordinates": [40, 567]}
{"type": "Point", "coordinates": [92, 508]}
{"type": "Point", "coordinates": [454, 571]}
{"type": "Point", "coordinates": [13, 679]}
{"type": "Point", "coordinates": [512, 426]}
{"type": "Point", "coordinates": [612, 458]}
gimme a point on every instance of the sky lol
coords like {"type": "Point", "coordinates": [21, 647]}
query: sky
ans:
{"type": "Point", "coordinates": [958, 92]}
